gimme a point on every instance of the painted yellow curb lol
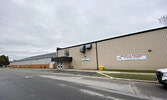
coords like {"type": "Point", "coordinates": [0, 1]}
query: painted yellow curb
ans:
{"type": "Point", "coordinates": [104, 74]}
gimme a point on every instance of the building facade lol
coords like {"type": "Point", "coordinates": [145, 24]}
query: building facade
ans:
{"type": "Point", "coordinates": [146, 50]}
{"type": "Point", "coordinates": [41, 61]}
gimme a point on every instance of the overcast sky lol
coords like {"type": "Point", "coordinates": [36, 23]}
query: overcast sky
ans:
{"type": "Point", "coordinates": [33, 27]}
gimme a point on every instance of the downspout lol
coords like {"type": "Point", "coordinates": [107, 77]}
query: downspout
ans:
{"type": "Point", "coordinates": [97, 56]}
{"type": "Point", "coordinates": [57, 56]}
{"type": "Point", "coordinates": [57, 52]}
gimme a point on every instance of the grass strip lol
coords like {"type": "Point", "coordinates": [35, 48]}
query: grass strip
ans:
{"type": "Point", "coordinates": [126, 70]}
{"type": "Point", "coordinates": [133, 76]}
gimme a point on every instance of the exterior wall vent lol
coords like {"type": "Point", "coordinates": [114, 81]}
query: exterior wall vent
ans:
{"type": "Point", "coordinates": [89, 46]}
{"type": "Point", "coordinates": [82, 49]}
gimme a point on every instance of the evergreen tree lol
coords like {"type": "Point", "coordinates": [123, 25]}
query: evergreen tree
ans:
{"type": "Point", "coordinates": [4, 60]}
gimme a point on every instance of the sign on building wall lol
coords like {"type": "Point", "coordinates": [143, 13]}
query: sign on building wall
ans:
{"type": "Point", "coordinates": [85, 59]}
{"type": "Point", "coordinates": [132, 57]}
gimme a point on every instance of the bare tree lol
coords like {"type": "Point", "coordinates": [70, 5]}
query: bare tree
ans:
{"type": "Point", "coordinates": [163, 20]}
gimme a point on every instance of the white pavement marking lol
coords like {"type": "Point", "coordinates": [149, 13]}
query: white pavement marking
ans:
{"type": "Point", "coordinates": [62, 84]}
{"type": "Point", "coordinates": [98, 94]}
{"type": "Point", "coordinates": [28, 76]}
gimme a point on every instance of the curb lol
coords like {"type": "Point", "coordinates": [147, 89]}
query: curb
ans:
{"type": "Point", "coordinates": [133, 80]}
{"type": "Point", "coordinates": [80, 70]}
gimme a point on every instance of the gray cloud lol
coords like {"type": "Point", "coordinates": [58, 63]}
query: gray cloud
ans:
{"type": "Point", "coordinates": [30, 27]}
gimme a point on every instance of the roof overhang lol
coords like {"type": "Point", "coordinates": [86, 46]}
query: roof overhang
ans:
{"type": "Point", "coordinates": [62, 59]}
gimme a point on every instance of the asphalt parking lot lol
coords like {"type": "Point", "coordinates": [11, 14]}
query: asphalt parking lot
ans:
{"type": "Point", "coordinates": [33, 84]}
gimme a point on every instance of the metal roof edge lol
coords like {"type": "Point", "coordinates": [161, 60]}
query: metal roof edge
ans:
{"type": "Point", "coordinates": [33, 57]}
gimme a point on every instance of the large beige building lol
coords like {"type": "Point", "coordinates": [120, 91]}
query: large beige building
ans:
{"type": "Point", "coordinates": [146, 50]}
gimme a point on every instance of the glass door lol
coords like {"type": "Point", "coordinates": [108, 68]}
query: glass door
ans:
{"type": "Point", "coordinates": [60, 65]}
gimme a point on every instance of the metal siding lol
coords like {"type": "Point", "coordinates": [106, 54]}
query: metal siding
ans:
{"type": "Point", "coordinates": [32, 62]}
{"type": "Point", "coordinates": [135, 44]}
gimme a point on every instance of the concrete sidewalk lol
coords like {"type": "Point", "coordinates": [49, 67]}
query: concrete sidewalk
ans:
{"type": "Point", "coordinates": [110, 72]}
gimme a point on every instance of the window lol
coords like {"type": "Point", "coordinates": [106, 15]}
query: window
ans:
{"type": "Point", "coordinates": [66, 52]}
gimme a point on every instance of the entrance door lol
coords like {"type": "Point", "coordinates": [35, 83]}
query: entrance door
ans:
{"type": "Point", "coordinates": [51, 64]}
{"type": "Point", "coordinates": [60, 65]}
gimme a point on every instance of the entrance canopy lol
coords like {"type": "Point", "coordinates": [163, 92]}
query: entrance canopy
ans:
{"type": "Point", "coordinates": [62, 59]}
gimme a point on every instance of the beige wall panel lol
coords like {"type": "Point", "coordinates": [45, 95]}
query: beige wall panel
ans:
{"type": "Point", "coordinates": [77, 57]}
{"type": "Point", "coordinates": [66, 65]}
{"type": "Point", "coordinates": [135, 44]}
{"type": "Point", "coordinates": [61, 53]}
